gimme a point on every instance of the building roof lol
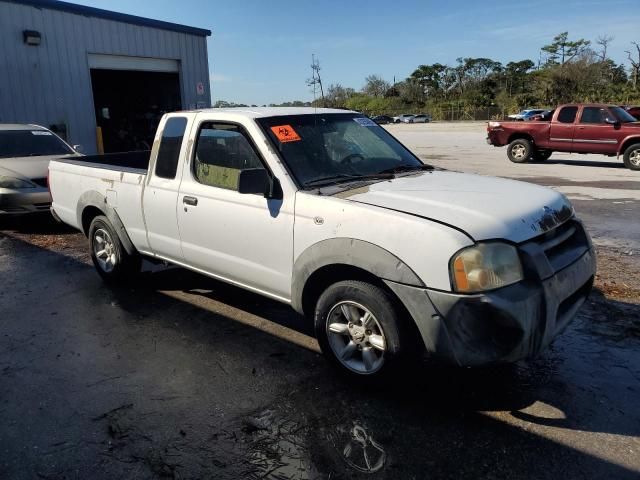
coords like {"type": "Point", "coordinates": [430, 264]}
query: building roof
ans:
{"type": "Point", "coordinates": [115, 16]}
{"type": "Point", "coordinates": [258, 112]}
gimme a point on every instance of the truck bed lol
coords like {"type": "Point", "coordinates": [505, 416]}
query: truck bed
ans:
{"type": "Point", "coordinates": [134, 162]}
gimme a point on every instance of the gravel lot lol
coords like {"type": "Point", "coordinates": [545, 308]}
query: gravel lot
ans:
{"type": "Point", "coordinates": [184, 377]}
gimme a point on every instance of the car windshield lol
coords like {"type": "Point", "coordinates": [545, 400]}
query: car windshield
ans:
{"type": "Point", "coordinates": [329, 148]}
{"type": "Point", "coordinates": [31, 143]}
{"type": "Point", "coordinates": [622, 115]}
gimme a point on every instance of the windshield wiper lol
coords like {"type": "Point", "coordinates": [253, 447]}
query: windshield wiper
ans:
{"type": "Point", "coordinates": [406, 168]}
{"type": "Point", "coordinates": [346, 177]}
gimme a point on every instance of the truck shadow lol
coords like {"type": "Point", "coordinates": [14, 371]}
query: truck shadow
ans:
{"type": "Point", "coordinates": [450, 422]}
{"type": "Point", "coordinates": [584, 163]}
{"type": "Point", "coordinates": [34, 223]}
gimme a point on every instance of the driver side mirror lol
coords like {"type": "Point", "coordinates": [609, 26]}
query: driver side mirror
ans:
{"type": "Point", "coordinates": [78, 148]}
{"type": "Point", "coordinates": [258, 181]}
{"type": "Point", "coordinates": [611, 121]}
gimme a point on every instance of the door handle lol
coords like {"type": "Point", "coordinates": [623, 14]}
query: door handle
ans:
{"type": "Point", "coordinates": [193, 201]}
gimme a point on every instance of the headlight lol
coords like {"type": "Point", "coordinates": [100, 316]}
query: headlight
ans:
{"type": "Point", "coordinates": [484, 267]}
{"type": "Point", "coordinates": [15, 183]}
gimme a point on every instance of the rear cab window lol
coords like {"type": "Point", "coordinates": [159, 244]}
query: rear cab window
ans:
{"type": "Point", "coordinates": [170, 144]}
{"type": "Point", "coordinates": [567, 114]}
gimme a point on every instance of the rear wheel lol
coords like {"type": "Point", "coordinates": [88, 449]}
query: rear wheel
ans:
{"type": "Point", "coordinates": [519, 151]}
{"type": "Point", "coordinates": [359, 329]}
{"type": "Point", "coordinates": [542, 155]}
{"type": "Point", "coordinates": [111, 260]}
{"type": "Point", "coordinates": [632, 157]}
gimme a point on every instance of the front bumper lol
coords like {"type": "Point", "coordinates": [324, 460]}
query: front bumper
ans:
{"type": "Point", "coordinates": [504, 325]}
{"type": "Point", "coordinates": [28, 200]}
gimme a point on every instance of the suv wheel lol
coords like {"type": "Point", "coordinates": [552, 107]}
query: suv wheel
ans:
{"type": "Point", "coordinates": [109, 257]}
{"type": "Point", "coordinates": [632, 157]}
{"type": "Point", "coordinates": [358, 328]}
{"type": "Point", "coordinates": [519, 151]}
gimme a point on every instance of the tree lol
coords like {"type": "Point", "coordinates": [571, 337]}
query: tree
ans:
{"type": "Point", "coordinates": [375, 86]}
{"type": "Point", "coordinates": [635, 65]}
{"type": "Point", "coordinates": [337, 95]}
{"type": "Point", "coordinates": [563, 49]}
{"type": "Point", "coordinates": [603, 41]}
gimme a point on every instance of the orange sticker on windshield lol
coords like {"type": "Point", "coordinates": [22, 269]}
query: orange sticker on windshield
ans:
{"type": "Point", "coordinates": [285, 133]}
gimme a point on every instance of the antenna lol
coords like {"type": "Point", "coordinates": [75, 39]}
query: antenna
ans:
{"type": "Point", "coordinates": [315, 81]}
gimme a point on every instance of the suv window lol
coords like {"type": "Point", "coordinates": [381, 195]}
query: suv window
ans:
{"type": "Point", "coordinates": [169, 151]}
{"type": "Point", "coordinates": [222, 152]}
{"type": "Point", "coordinates": [567, 114]}
{"type": "Point", "coordinates": [593, 115]}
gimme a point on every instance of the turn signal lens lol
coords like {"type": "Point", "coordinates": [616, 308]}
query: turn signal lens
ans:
{"type": "Point", "coordinates": [485, 266]}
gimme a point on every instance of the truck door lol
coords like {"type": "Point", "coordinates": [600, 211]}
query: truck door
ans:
{"type": "Point", "coordinates": [160, 196]}
{"type": "Point", "coordinates": [562, 129]}
{"type": "Point", "coordinates": [245, 239]}
{"type": "Point", "coordinates": [593, 134]}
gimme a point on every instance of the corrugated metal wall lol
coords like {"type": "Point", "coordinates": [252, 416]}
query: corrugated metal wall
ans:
{"type": "Point", "coordinates": [51, 83]}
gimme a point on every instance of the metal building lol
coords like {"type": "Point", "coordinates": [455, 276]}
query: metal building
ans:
{"type": "Point", "coordinates": [100, 79]}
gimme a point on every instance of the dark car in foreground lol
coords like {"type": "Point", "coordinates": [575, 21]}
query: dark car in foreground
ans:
{"type": "Point", "coordinates": [382, 119]}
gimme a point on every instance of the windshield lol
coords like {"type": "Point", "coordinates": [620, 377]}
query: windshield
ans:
{"type": "Point", "coordinates": [622, 115]}
{"type": "Point", "coordinates": [336, 147]}
{"type": "Point", "coordinates": [31, 143]}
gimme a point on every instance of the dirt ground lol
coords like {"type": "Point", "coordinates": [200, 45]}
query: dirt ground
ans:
{"type": "Point", "coordinates": [180, 376]}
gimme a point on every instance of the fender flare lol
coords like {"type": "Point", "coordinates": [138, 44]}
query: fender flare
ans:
{"type": "Point", "coordinates": [95, 199]}
{"type": "Point", "coordinates": [633, 138]}
{"type": "Point", "coordinates": [348, 251]}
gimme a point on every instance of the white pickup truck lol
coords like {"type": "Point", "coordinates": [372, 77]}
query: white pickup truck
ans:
{"type": "Point", "coordinates": [326, 211]}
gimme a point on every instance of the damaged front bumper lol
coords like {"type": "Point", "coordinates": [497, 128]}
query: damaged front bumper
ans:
{"type": "Point", "coordinates": [511, 323]}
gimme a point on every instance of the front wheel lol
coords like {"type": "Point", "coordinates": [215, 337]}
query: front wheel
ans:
{"type": "Point", "coordinates": [358, 329]}
{"type": "Point", "coordinates": [109, 256]}
{"type": "Point", "coordinates": [519, 151]}
{"type": "Point", "coordinates": [632, 157]}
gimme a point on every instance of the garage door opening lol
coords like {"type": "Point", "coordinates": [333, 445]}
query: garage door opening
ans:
{"type": "Point", "coordinates": [129, 105]}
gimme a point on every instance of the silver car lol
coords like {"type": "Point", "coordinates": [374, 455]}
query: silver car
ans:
{"type": "Point", "coordinates": [404, 118]}
{"type": "Point", "coordinates": [25, 151]}
{"type": "Point", "coordinates": [422, 118]}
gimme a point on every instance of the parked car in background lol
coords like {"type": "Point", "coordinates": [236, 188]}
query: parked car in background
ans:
{"type": "Point", "coordinates": [526, 114]}
{"type": "Point", "coordinates": [578, 128]}
{"type": "Point", "coordinates": [634, 112]}
{"type": "Point", "coordinates": [25, 152]}
{"type": "Point", "coordinates": [404, 118]}
{"type": "Point", "coordinates": [382, 119]}
{"type": "Point", "coordinates": [323, 210]}
{"type": "Point", "coordinates": [422, 118]}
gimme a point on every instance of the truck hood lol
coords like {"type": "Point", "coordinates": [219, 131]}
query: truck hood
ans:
{"type": "Point", "coordinates": [483, 207]}
{"type": "Point", "coordinates": [28, 167]}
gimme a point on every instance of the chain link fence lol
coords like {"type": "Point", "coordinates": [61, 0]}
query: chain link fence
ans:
{"type": "Point", "coordinates": [450, 114]}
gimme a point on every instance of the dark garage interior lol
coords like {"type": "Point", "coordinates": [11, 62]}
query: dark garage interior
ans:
{"type": "Point", "coordinates": [129, 105]}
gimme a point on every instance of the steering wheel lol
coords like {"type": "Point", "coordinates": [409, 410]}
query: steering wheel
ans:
{"type": "Point", "coordinates": [347, 160]}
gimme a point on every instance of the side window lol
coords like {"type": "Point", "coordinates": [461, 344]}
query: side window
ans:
{"type": "Point", "coordinates": [567, 114]}
{"type": "Point", "coordinates": [169, 151]}
{"type": "Point", "coordinates": [593, 115]}
{"type": "Point", "coordinates": [222, 152]}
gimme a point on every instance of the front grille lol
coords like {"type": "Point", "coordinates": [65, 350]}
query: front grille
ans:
{"type": "Point", "coordinates": [564, 244]}
{"type": "Point", "coordinates": [40, 181]}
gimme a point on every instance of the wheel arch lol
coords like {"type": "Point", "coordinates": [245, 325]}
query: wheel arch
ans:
{"type": "Point", "coordinates": [520, 135]}
{"type": "Point", "coordinates": [336, 259]}
{"type": "Point", "coordinates": [92, 204]}
{"type": "Point", "coordinates": [626, 143]}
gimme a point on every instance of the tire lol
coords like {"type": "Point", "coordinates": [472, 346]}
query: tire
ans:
{"type": "Point", "coordinates": [520, 150]}
{"type": "Point", "coordinates": [111, 260]}
{"type": "Point", "coordinates": [364, 350]}
{"type": "Point", "coordinates": [632, 157]}
{"type": "Point", "coordinates": [542, 155]}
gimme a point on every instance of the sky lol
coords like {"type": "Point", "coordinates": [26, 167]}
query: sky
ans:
{"type": "Point", "coordinates": [260, 51]}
